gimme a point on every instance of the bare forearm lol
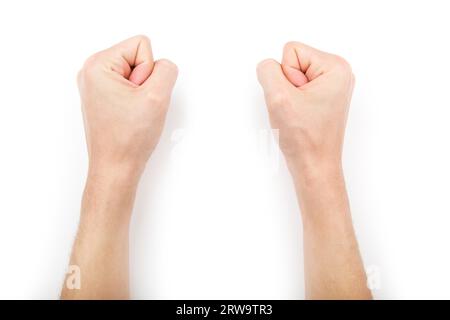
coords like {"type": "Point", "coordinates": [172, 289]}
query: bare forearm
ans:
{"type": "Point", "coordinates": [125, 95]}
{"type": "Point", "coordinates": [333, 265]}
{"type": "Point", "coordinates": [101, 246]}
{"type": "Point", "coordinates": [308, 97]}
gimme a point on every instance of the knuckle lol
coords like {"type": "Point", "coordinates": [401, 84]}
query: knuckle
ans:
{"type": "Point", "coordinates": [278, 99]}
{"type": "Point", "coordinates": [90, 65]}
{"type": "Point", "coordinates": [155, 99]}
{"type": "Point", "coordinates": [142, 38]}
{"type": "Point", "coordinates": [169, 65]}
{"type": "Point", "coordinates": [290, 45]}
{"type": "Point", "coordinates": [264, 63]}
{"type": "Point", "coordinates": [342, 64]}
{"type": "Point", "coordinates": [92, 60]}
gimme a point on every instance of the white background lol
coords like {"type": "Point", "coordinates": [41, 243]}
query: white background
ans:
{"type": "Point", "coordinates": [214, 218]}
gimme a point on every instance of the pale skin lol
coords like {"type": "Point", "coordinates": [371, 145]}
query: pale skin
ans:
{"type": "Point", "coordinates": [308, 97]}
{"type": "Point", "coordinates": [125, 95]}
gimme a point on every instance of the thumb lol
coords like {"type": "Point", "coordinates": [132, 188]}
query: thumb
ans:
{"type": "Point", "coordinates": [163, 77]}
{"type": "Point", "coordinates": [140, 73]}
{"type": "Point", "coordinates": [294, 75]}
{"type": "Point", "coordinates": [271, 77]}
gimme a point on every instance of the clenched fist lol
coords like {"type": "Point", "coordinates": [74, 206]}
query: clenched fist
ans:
{"type": "Point", "coordinates": [308, 97]}
{"type": "Point", "coordinates": [125, 95]}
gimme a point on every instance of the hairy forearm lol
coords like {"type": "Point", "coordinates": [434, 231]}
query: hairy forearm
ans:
{"type": "Point", "coordinates": [125, 95]}
{"type": "Point", "coordinates": [101, 246]}
{"type": "Point", "coordinates": [333, 265]}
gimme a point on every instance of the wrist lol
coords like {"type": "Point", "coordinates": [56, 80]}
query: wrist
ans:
{"type": "Point", "coordinates": [115, 174]}
{"type": "Point", "coordinates": [321, 191]}
{"type": "Point", "coordinates": [108, 198]}
{"type": "Point", "coordinates": [311, 170]}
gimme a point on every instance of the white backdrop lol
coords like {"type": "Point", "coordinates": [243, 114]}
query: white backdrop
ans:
{"type": "Point", "coordinates": [215, 216]}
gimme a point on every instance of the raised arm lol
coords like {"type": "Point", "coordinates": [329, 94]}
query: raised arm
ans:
{"type": "Point", "coordinates": [125, 96]}
{"type": "Point", "coordinates": [308, 97]}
